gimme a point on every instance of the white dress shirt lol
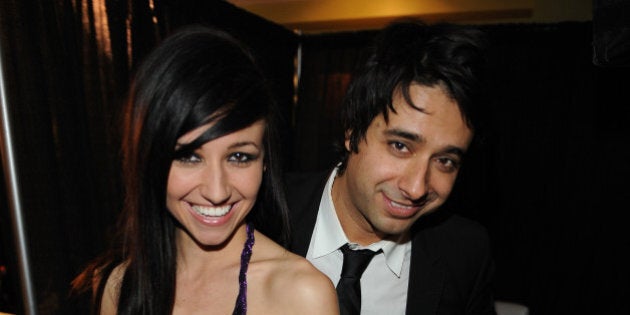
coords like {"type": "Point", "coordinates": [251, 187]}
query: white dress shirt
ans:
{"type": "Point", "coordinates": [385, 281]}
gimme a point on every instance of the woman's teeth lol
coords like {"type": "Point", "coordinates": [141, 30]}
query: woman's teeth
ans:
{"type": "Point", "coordinates": [212, 211]}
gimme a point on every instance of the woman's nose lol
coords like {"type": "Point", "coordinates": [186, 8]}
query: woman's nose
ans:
{"type": "Point", "coordinates": [215, 185]}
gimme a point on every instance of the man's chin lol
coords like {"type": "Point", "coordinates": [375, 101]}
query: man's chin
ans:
{"type": "Point", "coordinates": [394, 228]}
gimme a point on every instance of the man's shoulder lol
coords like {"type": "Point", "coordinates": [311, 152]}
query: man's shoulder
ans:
{"type": "Point", "coordinates": [459, 249]}
{"type": "Point", "coordinates": [466, 226]}
{"type": "Point", "coordinates": [447, 231]}
{"type": "Point", "coordinates": [448, 222]}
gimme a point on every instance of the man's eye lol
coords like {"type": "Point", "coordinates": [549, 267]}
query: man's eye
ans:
{"type": "Point", "coordinates": [448, 164]}
{"type": "Point", "coordinates": [398, 146]}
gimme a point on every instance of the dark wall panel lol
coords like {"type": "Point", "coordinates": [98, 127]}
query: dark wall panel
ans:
{"type": "Point", "coordinates": [549, 179]}
{"type": "Point", "coordinates": [68, 66]}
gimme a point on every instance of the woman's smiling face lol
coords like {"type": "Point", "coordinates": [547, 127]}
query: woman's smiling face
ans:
{"type": "Point", "coordinates": [210, 191]}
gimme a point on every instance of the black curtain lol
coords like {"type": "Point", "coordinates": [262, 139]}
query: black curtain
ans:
{"type": "Point", "coordinates": [67, 65]}
{"type": "Point", "coordinates": [543, 184]}
{"type": "Point", "coordinates": [328, 62]}
{"type": "Point", "coordinates": [548, 180]}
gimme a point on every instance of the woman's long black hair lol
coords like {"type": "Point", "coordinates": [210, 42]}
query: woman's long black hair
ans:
{"type": "Point", "coordinates": [195, 76]}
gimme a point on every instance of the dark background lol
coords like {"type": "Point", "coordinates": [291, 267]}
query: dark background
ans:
{"type": "Point", "coordinates": [549, 181]}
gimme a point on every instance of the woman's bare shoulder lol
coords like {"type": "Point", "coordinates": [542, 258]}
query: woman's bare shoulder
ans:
{"type": "Point", "coordinates": [296, 282]}
{"type": "Point", "coordinates": [311, 290]}
{"type": "Point", "coordinates": [109, 300]}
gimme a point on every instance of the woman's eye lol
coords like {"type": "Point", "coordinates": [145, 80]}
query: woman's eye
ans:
{"type": "Point", "coordinates": [189, 158]}
{"type": "Point", "coordinates": [240, 157]}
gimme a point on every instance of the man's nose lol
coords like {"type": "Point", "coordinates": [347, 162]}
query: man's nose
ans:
{"type": "Point", "coordinates": [413, 182]}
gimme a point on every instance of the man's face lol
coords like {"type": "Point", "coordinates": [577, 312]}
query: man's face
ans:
{"type": "Point", "coordinates": [403, 169]}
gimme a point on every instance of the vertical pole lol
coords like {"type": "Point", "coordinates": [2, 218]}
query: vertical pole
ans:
{"type": "Point", "coordinates": [13, 194]}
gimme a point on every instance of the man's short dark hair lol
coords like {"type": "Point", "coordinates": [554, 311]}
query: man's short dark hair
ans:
{"type": "Point", "coordinates": [408, 52]}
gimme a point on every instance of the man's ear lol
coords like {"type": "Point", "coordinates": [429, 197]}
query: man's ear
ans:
{"type": "Point", "coordinates": [346, 142]}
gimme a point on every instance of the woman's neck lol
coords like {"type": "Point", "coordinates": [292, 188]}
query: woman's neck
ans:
{"type": "Point", "coordinates": [195, 258]}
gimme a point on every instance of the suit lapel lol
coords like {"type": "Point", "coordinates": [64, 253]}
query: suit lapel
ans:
{"type": "Point", "coordinates": [304, 197]}
{"type": "Point", "coordinates": [426, 275]}
{"type": "Point", "coordinates": [303, 230]}
{"type": "Point", "coordinates": [426, 279]}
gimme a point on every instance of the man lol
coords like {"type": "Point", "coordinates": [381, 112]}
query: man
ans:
{"type": "Point", "coordinates": [408, 121]}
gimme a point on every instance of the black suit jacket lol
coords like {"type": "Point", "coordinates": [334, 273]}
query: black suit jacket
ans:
{"type": "Point", "coordinates": [451, 263]}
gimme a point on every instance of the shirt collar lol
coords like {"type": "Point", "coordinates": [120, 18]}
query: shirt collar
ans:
{"type": "Point", "coordinates": [328, 235]}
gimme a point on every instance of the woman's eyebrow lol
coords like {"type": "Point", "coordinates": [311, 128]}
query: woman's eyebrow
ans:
{"type": "Point", "coordinates": [242, 144]}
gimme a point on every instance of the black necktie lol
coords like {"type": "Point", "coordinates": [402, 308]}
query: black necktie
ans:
{"type": "Point", "coordinates": [349, 286]}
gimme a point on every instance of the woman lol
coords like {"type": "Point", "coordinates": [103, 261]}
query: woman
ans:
{"type": "Point", "coordinates": [203, 205]}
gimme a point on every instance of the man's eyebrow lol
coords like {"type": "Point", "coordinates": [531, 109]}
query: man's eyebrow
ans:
{"type": "Point", "coordinates": [419, 138]}
{"type": "Point", "coordinates": [405, 134]}
{"type": "Point", "coordinates": [455, 150]}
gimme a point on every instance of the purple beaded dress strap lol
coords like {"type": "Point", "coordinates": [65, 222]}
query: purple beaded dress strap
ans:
{"type": "Point", "coordinates": [241, 300]}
